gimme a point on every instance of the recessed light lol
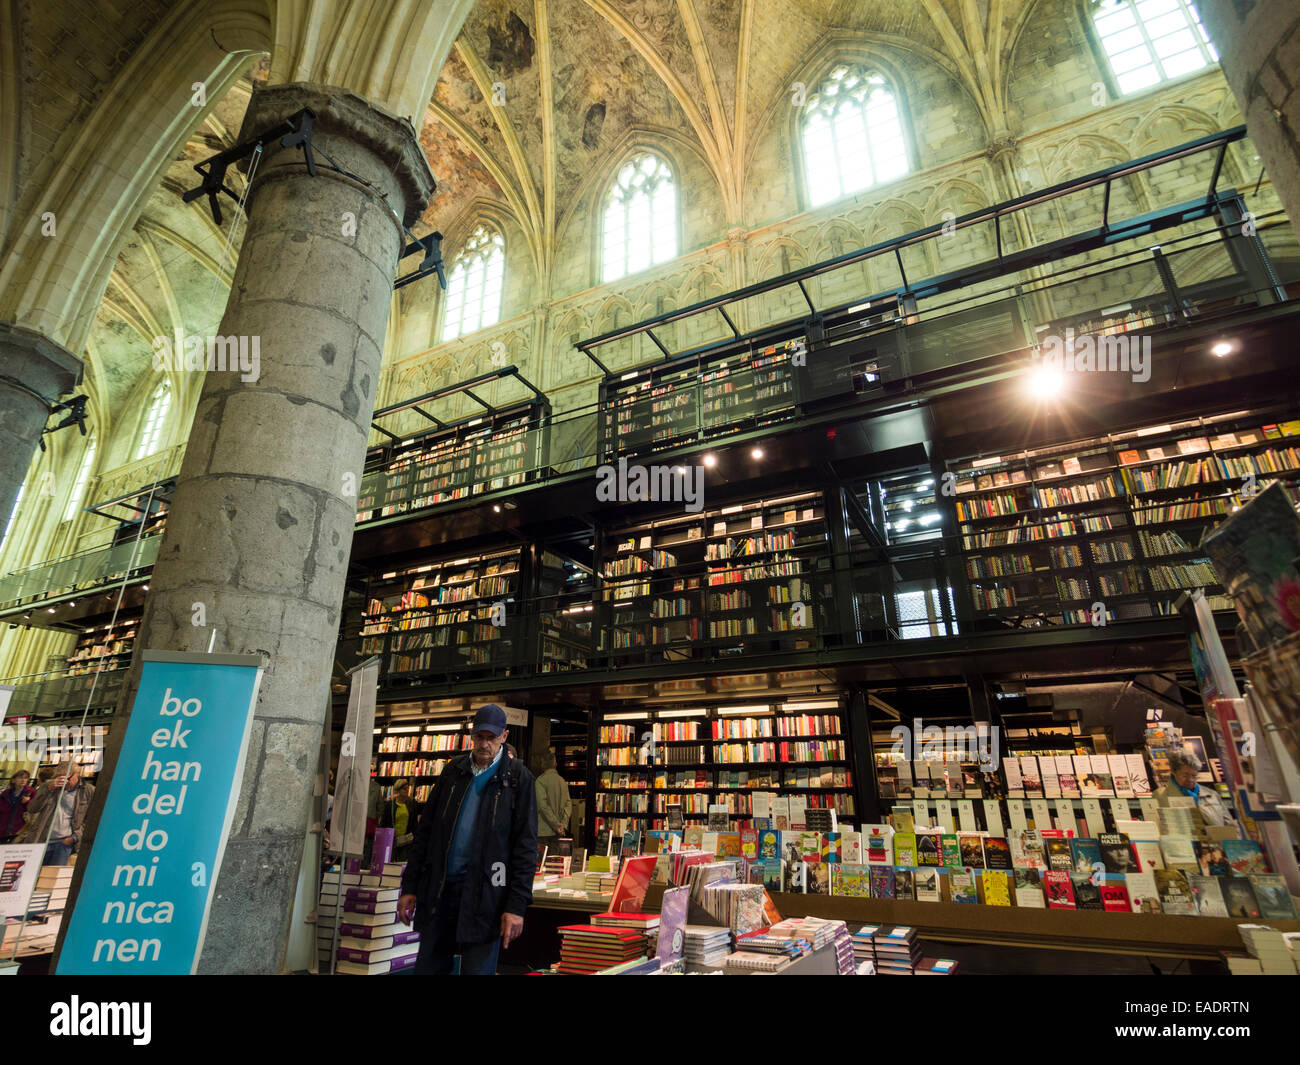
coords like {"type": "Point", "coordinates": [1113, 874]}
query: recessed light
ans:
{"type": "Point", "coordinates": [496, 508]}
{"type": "Point", "coordinates": [1046, 381]}
{"type": "Point", "coordinates": [710, 461]}
{"type": "Point", "coordinates": [757, 453]}
{"type": "Point", "coordinates": [1222, 348]}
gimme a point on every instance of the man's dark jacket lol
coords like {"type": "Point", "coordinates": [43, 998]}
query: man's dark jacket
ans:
{"type": "Point", "coordinates": [505, 836]}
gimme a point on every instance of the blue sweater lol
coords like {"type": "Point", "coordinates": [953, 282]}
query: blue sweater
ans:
{"type": "Point", "coordinates": [462, 837]}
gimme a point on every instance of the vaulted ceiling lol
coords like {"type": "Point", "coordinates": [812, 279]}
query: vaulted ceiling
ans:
{"type": "Point", "coordinates": [535, 102]}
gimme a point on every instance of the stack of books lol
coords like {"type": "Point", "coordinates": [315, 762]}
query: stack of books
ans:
{"type": "Point", "coordinates": [706, 944]}
{"type": "Point", "coordinates": [844, 951]}
{"type": "Point", "coordinates": [764, 943]}
{"type": "Point", "coordinates": [755, 962]}
{"type": "Point", "coordinates": [936, 967]}
{"type": "Point", "coordinates": [897, 951]}
{"type": "Point", "coordinates": [1270, 955]}
{"type": "Point", "coordinates": [587, 949]}
{"type": "Point", "coordinates": [51, 893]}
{"type": "Point", "coordinates": [646, 925]}
{"type": "Point", "coordinates": [738, 906]}
{"type": "Point", "coordinates": [864, 949]}
{"type": "Point", "coordinates": [371, 939]}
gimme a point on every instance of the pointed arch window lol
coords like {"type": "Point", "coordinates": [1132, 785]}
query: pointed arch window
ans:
{"type": "Point", "coordinates": [83, 478]}
{"type": "Point", "coordinates": [1150, 41]}
{"type": "Point", "coordinates": [640, 223]}
{"type": "Point", "coordinates": [475, 285]}
{"type": "Point", "coordinates": [151, 434]}
{"type": "Point", "coordinates": [852, 135]}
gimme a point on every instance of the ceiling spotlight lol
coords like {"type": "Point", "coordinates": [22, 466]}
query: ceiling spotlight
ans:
{"type": "Point", "coordinates": [146, 587]}
{"type": "Point", "coordinates": [1222, 348]}
{"type": "Point", "coordinates": [1046, 382]}
{"type": "Point", "coordinates": [756, 453]}
{"type": "Point", "coordinates": [496, 508]}
{"type": "Point", "coordinates": [50, 609]}
{"type": "Point", "coordinates": [710, 461]}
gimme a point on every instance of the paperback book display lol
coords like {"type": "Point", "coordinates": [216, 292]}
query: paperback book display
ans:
{"type": "Point", "coordinates": [371, 940]}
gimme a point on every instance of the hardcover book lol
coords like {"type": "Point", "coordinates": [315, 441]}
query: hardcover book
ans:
{"type": "Point", "coordinates": [851, 881]}
{"type": "Point", "coordinates": [997, 890]}
{"type": "Point", "coordinates": [1142, 894]}
{"type": "Point", "coordinates": [1059, 890]}
{"type": "Point", "coordinates": [1273, 897]}
{"type": "Point", "coordinates": [972, 851]}
{"type": "Point", "coordinates": [1059, 856]}
{"type": "Point", "coordinates": [1206, 895]}
{"type": "Point", "coordinates": [905, 848]}
{"type": "Point", "coordinates": [1244, 856]}
{"type": "Point", "coordinates": [927, 885]}
{"type": "Point", "coordinates": [1239, 896]}
{"type": "Point", "coordinates": [1029, 888]}
{"type": "Point", "coordinates": [962, 887]}
{"type": "Point", "coordinates": [1117, 853]}
{"type": "Point", "coordinates": [904, 888]}
{"type": "Point", "coordinates": [997, 852]}
{"type": "Point", "coordinates": [882, 882]}
{"type": "Point", "coordinates": [1114, 895]}
{"type": "Point", "coordinates": [951, 850]}
{"type": "Point", "coordinates": [1175, 895]}
{"type": "Point", "coordinates": [929, 848]}
{"type": "Point", "coordinates": [1084, 853]}
{"type": "Point", "coordinates": [1087, 893]}
{"type": "Point", "coordinates": [1027, 850]}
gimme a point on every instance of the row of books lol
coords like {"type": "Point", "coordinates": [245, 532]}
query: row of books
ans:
{"type": "Point", "coordinates": [1167, 891]}
{"type": "Point", "coordinates": [811, 776]}
{"type": "Point", "coordinates": [429, 741]}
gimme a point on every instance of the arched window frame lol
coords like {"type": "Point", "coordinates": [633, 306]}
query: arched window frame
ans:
{"type": "Point", "coordinates": [662, 226]}
{"type": "Point", "coordinates": [873, 78]}
{"type": "Point", "coordinates": [153, 427]}
{"type": "Point", "coordinates": [84, 470]}
{"type": "Point", "coordinates": [1146, 27]}
{"type": "Point", "coordinates": [467, 285]}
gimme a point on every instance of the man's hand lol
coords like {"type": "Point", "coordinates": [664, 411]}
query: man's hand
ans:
{"type": "Point", "coordinates": [406, 908]}
{"type": "Point", "coordinates": [511, 927]}
{"type": "Point", "coordinates": [69, 840]}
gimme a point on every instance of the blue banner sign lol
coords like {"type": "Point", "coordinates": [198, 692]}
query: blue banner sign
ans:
{"type": "Point", "coordinates": [144, 900]}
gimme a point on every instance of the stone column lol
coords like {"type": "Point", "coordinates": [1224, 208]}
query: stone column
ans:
{"type": "Point", "coordinates": [34, 373]}
{"type": "Point", "coordinates": [261, 527]}
{"type": "Point", "coordinates": [1259, 52]}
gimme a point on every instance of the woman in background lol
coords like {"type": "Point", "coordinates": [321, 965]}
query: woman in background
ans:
{"type": "Point", "coordinates": [13, 805]}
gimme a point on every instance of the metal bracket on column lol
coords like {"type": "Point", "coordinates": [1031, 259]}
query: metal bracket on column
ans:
{"type": "Point", "coordinates": [294, 132]}
{"type": "Point", "coordinates": [76, 408]}
{"type": "Point", "coordinates": [431, 263]}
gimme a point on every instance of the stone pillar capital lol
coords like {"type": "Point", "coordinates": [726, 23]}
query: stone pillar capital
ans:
{"type": "Point", "coordinates": [737, 235]}
{"type": "Point", "coordinates": [1000, 144]}
{"type": "Point", "coordinates": [342, 114]}
{"type": "Point", "coordinates": [41, 364]}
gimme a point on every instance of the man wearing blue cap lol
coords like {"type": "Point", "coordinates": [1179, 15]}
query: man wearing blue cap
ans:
{"type": "Point", "coordinates": [470, 874]}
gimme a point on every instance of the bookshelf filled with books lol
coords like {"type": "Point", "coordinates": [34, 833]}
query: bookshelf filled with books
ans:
{"type": "Point", "coordinates": [564, 614]}
{"type": "Point", "coordinates": [106, 647]}
{"type": "Point", "coordinates": [418, 753]}
{"type": "Point", "coordinates": [1110, 529]}
{"type": "Point", "coordinates": [449, 616]}
{"type": "Point", "coordinates": [720, 766]}
{"type": "Point", "coordinates": [674, 402]}
{"type": "Point", "coordinates": [496, 450]}
{"type": "Point", "coordinates": [742, 578]}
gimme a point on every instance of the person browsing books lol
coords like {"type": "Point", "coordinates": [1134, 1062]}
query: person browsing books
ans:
{"type": "Point", "coordinates": [1184, 766]}
{"type": "Point", "coordinates": [401, 814]}
{"type": "Point", "coordinates": [469, 878]}
{"type": "Point", "coordinates": [58, 812]}
{"type": "Point", "coordinates": [553, 804]}
{"type": "Point", "coordinates": [13, 805]}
